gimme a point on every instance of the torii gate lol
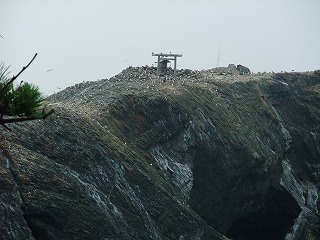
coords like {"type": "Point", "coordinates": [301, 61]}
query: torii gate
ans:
{"type": "Point", "coordinates": [165, 57]}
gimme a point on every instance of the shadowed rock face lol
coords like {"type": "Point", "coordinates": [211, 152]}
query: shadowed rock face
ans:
{"type": "Point", "coordinates": [134, 157]}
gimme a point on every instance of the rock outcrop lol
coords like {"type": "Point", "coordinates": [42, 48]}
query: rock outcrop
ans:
{"type": "Point", "coordinates": [207, 156]}
{"type": "Point", "coordinates": [231, 69]}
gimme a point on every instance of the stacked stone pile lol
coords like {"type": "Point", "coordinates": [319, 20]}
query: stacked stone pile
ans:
{"type": "Point", "coordinates": [188, 74]}
{"type": "Point", "coordinates": [146, 73]}
{"type": "Point", "coordinates": [231, 69]}
{"type": "Point", "coordinates": [145, 76]}
{"type": "Point", "coordinates": [136, 74]}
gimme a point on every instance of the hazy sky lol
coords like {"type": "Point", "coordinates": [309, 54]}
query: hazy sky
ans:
{"type": "Point", "coordinates": [83, 40]}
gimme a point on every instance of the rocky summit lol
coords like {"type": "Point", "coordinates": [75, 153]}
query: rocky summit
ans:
{"type": "Point", "coordinates": [208, 155]}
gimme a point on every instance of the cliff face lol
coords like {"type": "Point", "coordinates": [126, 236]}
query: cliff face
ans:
{"type": "Point", "coordinates": [137, 157]}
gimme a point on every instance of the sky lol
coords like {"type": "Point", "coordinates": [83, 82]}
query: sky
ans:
{"type": "Point", "coordinates": [88, 40]}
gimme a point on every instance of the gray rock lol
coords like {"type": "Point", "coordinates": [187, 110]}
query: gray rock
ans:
{"type": "Point", "coordinates": [243, 70]}
{"type": "Point", "coordinates": [133, 157]}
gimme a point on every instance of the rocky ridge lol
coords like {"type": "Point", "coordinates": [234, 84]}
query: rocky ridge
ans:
{"type": "Point", "coordinates": [202, 156]}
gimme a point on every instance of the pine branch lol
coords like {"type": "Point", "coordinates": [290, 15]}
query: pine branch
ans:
{"type": "Point", "coordinates": [23, 119]}
{"type": "Point", "coordinates": [15, 77]}
{"type": "Point", "coordinates": [25, 100]}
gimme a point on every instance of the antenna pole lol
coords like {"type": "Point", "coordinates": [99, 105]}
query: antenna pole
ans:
{"type": "Point", "coordinates": [218, 55]}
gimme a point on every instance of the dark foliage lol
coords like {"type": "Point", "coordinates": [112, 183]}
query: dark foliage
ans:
{"type": "Point", "coordinates": [19, 103]}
